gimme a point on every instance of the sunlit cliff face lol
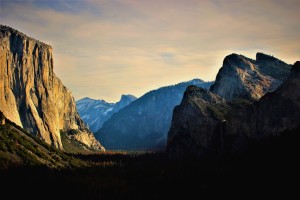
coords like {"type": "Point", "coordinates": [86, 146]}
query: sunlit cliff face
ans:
{"type": "Point", "coordinates": [107, 48]}
{"type": "Point", "coordinates": [32, 96]}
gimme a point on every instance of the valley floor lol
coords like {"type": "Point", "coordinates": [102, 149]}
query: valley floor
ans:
{"type": "Point", "coordinates": [271, 168]}
{"type": "Point", "coordinates": [31, 169]}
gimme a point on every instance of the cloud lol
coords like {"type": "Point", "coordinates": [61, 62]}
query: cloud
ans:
{"type": "Point", "coordinates": [106, 48]}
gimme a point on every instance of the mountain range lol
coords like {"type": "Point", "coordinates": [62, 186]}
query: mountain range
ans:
{"type": "Point", "coordinates": [95, 112]}
{"type": "Point", "coordinates": [249, 79]}
{"type": "Point", "coordinates": [145, 122]}
{"type": "Point", "coordinates": [251, 100]}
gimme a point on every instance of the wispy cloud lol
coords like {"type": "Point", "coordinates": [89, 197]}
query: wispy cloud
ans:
{"type": "Point", "coordinates": [105, 48]}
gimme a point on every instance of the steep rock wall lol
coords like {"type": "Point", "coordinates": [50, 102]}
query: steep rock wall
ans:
{"type": "Point", "coordinates": [30, 93]}
{"type": "Point", "coordinates": [205, 123]}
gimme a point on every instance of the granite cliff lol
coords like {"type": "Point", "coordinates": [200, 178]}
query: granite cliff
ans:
{"type": "Point", "coordinates": [275, 113]}
{"type": "Point", "coordinates": [32, 96]}
{"type": "Point", "coordinates": [196, 123]}
{"type": "Point", "coordinates": [242, 77]}
{"type": "Point", "coordinates": [230, 115]}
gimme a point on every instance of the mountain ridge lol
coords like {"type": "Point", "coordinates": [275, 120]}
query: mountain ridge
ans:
{"type": "Point", "coordinates": [95, 112]}
{"type": "Point", "coordinates": [143, 125]}
{"type": "Point", "coordinates": [203, 127]}
{"type": "Point", "coordinates": [242, 77]}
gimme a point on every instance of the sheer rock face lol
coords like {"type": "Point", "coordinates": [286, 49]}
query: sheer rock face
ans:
{"type": "Point", "coordinates": [196, 123]}
{"type": "Point", "coordinates": [242, 77]}
{"type": "Point", "coordinates": [30, 93]}
{"type": "Point", "coordinates": [273, 114]}
{"type": "Point", "coordinates": [205, 123]}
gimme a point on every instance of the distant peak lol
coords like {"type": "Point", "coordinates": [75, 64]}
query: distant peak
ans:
{"type": "Point", "coordinates": [88, 99]}
{"type": "Point", "coordinates": [127, 96]}
{"type": "Point", "coordinates": [195, 81]}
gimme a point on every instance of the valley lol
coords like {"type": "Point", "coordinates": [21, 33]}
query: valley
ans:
{"type": "Point", "coordinates": [152, 175]}
{"type": "Point", "coordinates": [155, 111]}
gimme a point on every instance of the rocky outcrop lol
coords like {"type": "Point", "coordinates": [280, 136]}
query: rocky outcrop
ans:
{"type": "Point", "coordinates": [242, 77]}
{"type": "Point", "coordinates": [273, 114]}
{"type": "Point", "coordinates": [205, 124]}
{"type": "Point", "coordinates": [30, 93]}
{"type": "Point", "coordinates": [144, 123]}
{"type": "Point", "coordinates": [196, 123]}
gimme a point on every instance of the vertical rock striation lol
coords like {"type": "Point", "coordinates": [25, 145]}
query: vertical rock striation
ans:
{"type": "Point", "coordinates": [196, 123]}
{"type": "Point", "coordinates": [30, 93]}
{"type": "Point", "coordinates": [273, 114]}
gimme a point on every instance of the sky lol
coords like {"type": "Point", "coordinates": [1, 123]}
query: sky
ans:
{"type": "Point", "coordinates": [105, 48]}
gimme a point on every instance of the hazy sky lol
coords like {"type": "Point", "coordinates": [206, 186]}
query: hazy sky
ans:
{"type": "Point", "coordinates": [105, 48]}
